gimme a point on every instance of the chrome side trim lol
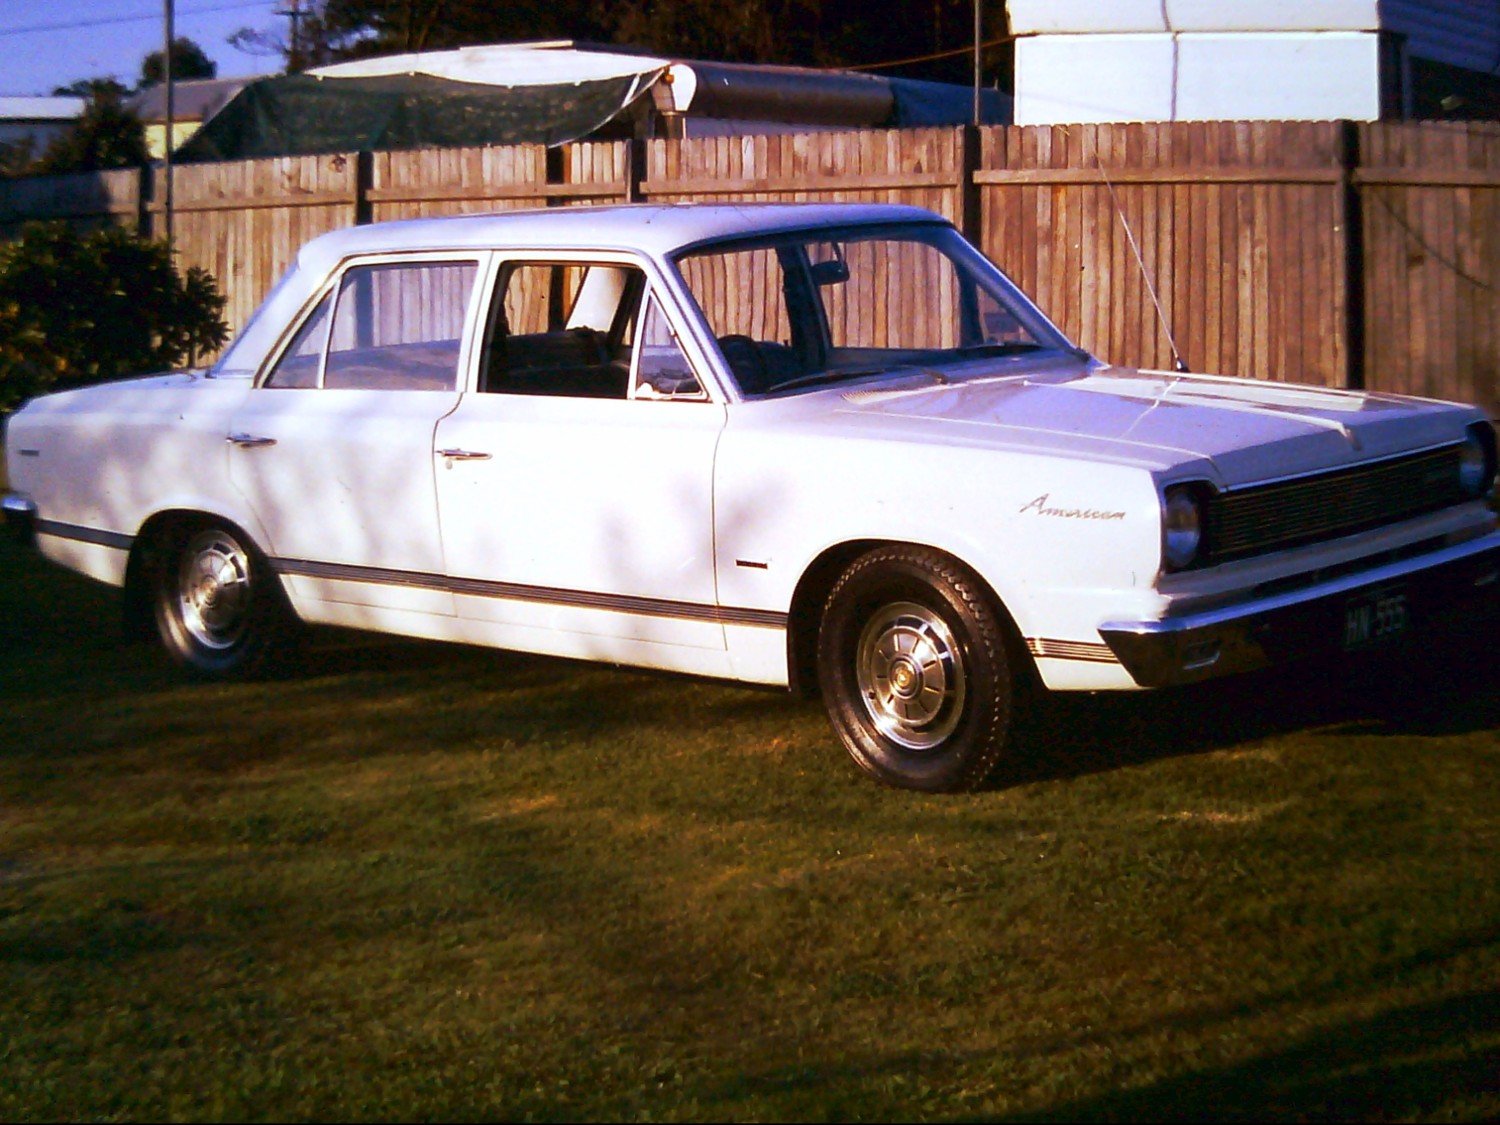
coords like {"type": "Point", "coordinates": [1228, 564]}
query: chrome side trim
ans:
{"type": "Point", "coordinates": [548, 595]}
{"type": "Point", "coordinates": [97, 536]}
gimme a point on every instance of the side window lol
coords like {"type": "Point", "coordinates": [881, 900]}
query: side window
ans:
{"type": "Point", "coordinates": [388, 327]}
{"type": "Point", "coordinates": [298, 365]}
{"type": "Point", "coordinates": [757, 311]}
{"type": "Point", "coordinates": [663, 370]}
{"type": "Point", "coordinates": [399, 327]}
{"type": "Point", "coordinates": [562, 329]}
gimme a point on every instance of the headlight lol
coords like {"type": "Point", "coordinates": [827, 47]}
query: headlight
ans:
{"type": "Point", "coordinates": [1476, 461]}
{"type": "Point", "coordinates": [1181, 526]}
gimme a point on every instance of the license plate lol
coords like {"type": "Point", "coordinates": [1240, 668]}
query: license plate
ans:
{"type": "Point", "coordinates": [1376, 617]}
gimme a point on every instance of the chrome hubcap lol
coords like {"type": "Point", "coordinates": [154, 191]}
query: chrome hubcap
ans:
{"type": "Point", "coordinates": [213, 589]}
{"type": "Point", "coordinates": [911, 675]}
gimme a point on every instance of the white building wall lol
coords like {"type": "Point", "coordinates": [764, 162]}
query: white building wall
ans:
{"type": "Point", "coordinates": [1305, 76]}
{"type": "Point", "coordinates": [1098, 17]}
{"type": "Point", "coordinates": [1207, 60]}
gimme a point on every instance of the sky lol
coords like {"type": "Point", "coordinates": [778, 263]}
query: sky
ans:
{"type": "Point", "coordinates": [50, 43]}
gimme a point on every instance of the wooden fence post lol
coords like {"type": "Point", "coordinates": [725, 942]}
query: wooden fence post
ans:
{"type": "Point", "coordinates": [364, 180]}
{"type": "Point", "coordinates": [970, 197]}
{"type": "Point", "coordinates": [1352, 230]}
{"type": "Point", "coordinates": [635, 169]}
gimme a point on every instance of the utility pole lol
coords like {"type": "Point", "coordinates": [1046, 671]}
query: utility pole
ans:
{"type": "Point", "coordinates": [978, 52]}
{"type": "Point", "coordinates": [294, 13]}
{"type": "Point", "coordinates": [166, 161]}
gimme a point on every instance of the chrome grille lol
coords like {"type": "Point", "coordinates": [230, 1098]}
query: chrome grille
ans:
{"type": "Point", "coordinates": [1311, 509]}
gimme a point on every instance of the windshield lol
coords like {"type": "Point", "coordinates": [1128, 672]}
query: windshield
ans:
{"type": "Point", "coordinates": [807, 309]}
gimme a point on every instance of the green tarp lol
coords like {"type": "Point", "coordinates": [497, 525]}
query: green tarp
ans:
{"type": "Point", "coordinates": [299, 115]}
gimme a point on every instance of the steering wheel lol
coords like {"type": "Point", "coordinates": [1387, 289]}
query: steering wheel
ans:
{"type": "Point", "coordinates": [746, 361]}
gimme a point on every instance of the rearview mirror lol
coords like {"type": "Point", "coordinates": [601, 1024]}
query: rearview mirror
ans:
{"type": "Point", "coordinates": [835, 272]}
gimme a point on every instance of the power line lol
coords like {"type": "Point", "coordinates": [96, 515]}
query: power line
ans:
{"type": "Point", "coordinates": [929, 58]}
{"type": "Point", "coordinates": [154, 17]}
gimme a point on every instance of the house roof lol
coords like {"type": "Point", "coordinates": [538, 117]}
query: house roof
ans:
{"type": "Point", "coordinates": [40, 109]}
{"type": "Point", "coordinates": [196, 99]}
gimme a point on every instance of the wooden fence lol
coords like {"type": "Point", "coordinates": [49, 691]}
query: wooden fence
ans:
{"type": "Point", "coordinates": [1323, 252]}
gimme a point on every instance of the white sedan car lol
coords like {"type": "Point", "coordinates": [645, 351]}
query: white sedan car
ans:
{"type": "Point", "coordinates": [827, 447]}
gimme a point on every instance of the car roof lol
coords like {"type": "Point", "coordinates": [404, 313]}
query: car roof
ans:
{"type": "Point", "coordinates": [653, 228]}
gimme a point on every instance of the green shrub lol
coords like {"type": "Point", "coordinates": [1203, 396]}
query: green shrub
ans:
{"type": "Point", "coordinates": [83, 308]}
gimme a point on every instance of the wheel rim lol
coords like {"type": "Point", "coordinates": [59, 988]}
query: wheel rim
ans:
{"type": "Point", "coordinates": [911, 675]}
{"type": "Point", "coordinates": [213, 590]}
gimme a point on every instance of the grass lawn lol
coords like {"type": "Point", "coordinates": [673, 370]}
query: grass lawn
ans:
{"type": "Point", "coordinates": [421, 881]}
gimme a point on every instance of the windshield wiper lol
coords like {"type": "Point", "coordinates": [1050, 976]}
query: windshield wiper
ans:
{"type": "Point", "coordinates": [829, 375]}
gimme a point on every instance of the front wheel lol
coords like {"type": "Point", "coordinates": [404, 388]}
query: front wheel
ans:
{"type": "Point", "coordinates": [915, 672]}
{"type": "Point", "coordinates": [217, 610]}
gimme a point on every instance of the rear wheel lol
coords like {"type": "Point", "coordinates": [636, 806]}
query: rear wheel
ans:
{"type": "Point", "coordinates": [915, 670]}
{"type": "Point", "coordinates": [218, 611]}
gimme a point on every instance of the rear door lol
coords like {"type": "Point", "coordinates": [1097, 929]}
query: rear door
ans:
{"type": "Point", "coordinates": [576, 487]}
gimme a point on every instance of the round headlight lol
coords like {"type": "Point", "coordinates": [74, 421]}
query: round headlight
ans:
{"type": "Point", "coordinates": [1476, 462]}
{"type": "Point", "coordinates": [1181, 527]}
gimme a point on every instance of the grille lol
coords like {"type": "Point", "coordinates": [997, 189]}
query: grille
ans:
{"type": "Point", "coordinates": [1276, 516]}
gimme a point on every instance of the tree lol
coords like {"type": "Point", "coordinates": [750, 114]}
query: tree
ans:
{"type": "Point", "coordinates": [77, 309]}
{"type": "Point", "coordinates": [822, 33]}
{"type": "Point", "coordinates": [106, 135]}
{"type": "Point", "coordinates": [93, 88]}
{"type": "Point", "coordinates": [188, 61]}
{"type": "Point", "coordinates": [343, 29]}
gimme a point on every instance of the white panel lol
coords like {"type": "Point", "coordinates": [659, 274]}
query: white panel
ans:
{"type": "Point", "coordinates": [1077, 78]}
{"type": "Point", "coordinates": [1031, 17]}
{"type": "Point", "coordinates": [1062, 79]}
{"type": "Point", "coordinates": [1273, 15]}
{"type": "Point", "coordinates": [1278, 77]}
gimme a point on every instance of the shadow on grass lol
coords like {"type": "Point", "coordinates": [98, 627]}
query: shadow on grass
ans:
{"type": "Point", "coordinates": [1453, 688]}
{"type": "Point", "coordinates": [1450, 687]}
{"type": "Point", "coordinates": [1403, 1064]}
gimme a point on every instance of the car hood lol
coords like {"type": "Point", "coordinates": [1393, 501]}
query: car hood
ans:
{"type": "Point", "coordinates": [1248, 430]}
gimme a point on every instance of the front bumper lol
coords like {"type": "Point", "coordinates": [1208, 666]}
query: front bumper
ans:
{"type": "Point", "coordinates": [20, 516]}
{"type": "Point", "coordinates": [1327, 618]}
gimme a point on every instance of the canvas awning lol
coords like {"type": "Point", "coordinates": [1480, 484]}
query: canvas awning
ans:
{"type": "Point", "coordinates": [311, 114]}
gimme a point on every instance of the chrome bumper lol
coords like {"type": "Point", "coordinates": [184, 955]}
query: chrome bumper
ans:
{"type": "Point", "coordinates": [1433, 590]}
{"type": "Point", "coordinates": [20, 516]}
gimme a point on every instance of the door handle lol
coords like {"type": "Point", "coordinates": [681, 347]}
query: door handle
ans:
{"type": "Point", "coordinates": [249, 441]}
{"type": "Point", "coordinates": [463, 455]}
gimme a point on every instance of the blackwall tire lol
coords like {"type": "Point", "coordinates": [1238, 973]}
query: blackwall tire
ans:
{"type": "Point", "coordinates": [915, 670]}
{"type": "Point", "coordinates": [218, 610]}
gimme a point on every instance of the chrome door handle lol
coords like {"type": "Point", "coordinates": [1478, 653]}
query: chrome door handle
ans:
{"type": "Point", "coordinates": [249, 441]}
{"type": "Point", "coordinates": [462, 455]}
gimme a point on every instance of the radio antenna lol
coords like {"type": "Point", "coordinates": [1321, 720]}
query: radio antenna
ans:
{"type": "Point", "coordinates": [1178, 363]}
